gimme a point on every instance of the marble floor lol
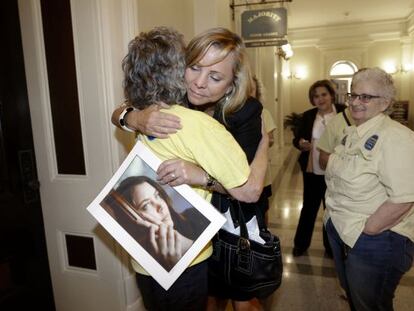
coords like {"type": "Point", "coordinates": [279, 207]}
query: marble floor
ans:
{"type": "Point", "coordinates": [309, 282]}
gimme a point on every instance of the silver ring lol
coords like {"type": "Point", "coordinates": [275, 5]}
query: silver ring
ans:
{"type": "Point", "coordinates": [173, 175]}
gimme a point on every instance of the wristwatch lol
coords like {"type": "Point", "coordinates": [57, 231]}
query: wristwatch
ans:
{"type": "Point", "coordinates": [211, 182]}
{"type": "Point", "coordinates": [122, 118]}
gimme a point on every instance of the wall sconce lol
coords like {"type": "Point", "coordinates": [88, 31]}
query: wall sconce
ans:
{"type": "Point", "coordinates": [392, 68]}
{"type": "Point", "coordinates": [300, 73]}
{"type": "Point", "coordinates": [407, 67]}
{"type": "Point", "coordinates": [285, 51]}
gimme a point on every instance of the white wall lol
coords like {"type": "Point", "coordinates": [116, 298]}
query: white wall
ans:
{"type": "Point", "coordinates": [189, 17]}
{"type": "Point", "coordinates": [177, 14]}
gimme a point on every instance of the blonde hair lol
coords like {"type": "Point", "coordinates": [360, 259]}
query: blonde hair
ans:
{"type": "Point", "coordinates": [226, 42]}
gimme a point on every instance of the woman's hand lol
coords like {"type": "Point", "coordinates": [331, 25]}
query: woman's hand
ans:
{"type": "Point", "coordinates": [153, 122]}
{"type": "Point", "coordinates": [168, 245]}
{"type": "Point", "coordinates": [176, 172]}
{"type": "Point", "coordinates": [305, 145]}
{"type": "Point", "coordinates": [386, 216]}
{"type": "Point", "coordinates": [150, 121]}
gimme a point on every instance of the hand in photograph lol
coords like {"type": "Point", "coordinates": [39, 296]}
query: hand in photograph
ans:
{"type": "Point", "coordinates": [158, 227]}
{"type": "Point", "coordinates": [168, 245]}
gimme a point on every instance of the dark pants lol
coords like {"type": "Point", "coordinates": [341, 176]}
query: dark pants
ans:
{"type": "Point", "coordinates": [188, 293]}
{"type": "Point", "coordinates": [314, 188]}
{"type": "Point", "coordinates": [370, 271]}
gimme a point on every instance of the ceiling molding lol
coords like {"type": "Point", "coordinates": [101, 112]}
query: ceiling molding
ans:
{"type": "Point", "coordinates": [410, 24]}
{"type": "Point", "coordinates": [344, 34]}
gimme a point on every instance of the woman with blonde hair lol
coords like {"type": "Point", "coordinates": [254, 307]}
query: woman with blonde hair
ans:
{"type": "Point", "coordinates": [218, 82]}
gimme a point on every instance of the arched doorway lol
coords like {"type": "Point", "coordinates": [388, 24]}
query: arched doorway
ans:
{"type": "Point", "coordinates": [341, 73]}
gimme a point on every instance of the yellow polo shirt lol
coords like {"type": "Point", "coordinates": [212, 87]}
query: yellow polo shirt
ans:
{"type": "Point", "coordinates": [334, 132]}
{"type": "Point", "coordinates": [373, 163]}
{"type": "Point", "coordinates": [205, 142]}
{"type": "Point", "coordinates": [269, 126]}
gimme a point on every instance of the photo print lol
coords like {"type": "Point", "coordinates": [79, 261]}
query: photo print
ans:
{"type": "Point", "coordinates": [149, 219]}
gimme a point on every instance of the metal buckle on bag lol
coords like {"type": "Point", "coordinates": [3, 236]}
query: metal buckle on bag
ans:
{"type": "Point", "coordinates": [243, 244]}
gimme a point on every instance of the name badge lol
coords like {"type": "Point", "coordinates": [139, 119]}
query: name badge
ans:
{"type": "Point", "coordinates": [370, 143]}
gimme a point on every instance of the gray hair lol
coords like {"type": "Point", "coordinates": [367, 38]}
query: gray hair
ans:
{"type": "Point", "coordinates": [383, 80]}
{"type": "Point", "coordinates": [154, 68]}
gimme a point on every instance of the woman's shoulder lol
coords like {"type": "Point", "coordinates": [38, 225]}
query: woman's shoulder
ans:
{"type": "Point", "coordinates": [191, 116]}
{"type": "Point", "coordinates": [310, 113]}
{"type": "Point", "coordinates": [340, 107]}
{"type": "Point", "coordinates": [197, 124]}
{"type": "Point", "coordinates": [396, 131]}
{"type": "Point", "coordinates": [252, 108]}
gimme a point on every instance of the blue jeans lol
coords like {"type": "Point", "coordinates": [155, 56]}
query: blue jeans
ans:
{"type": "Point", "coordinates": [371, 270]}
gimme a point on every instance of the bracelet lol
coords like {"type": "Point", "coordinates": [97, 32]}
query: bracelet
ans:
{"type": "Point", "coordinates": [211, 182]}
{"type": "Point", "coordinates": [122, 118]}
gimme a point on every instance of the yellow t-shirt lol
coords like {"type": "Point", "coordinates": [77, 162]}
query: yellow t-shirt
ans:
{"type": "Point", "coordinates": [205, 142]}
{"type": "Point", "coordinates": [270, 126]}
{"type": "Point", "coordinates": [372, 164]}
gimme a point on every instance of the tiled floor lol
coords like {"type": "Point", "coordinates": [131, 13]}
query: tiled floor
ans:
{"type": "Point", "coordinates": [309, 281]}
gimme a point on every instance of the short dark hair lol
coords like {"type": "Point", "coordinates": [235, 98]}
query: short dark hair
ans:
{"type": "Point", "coordinates": [154, 68]}
{"type": "Point", "coordinates": [321, 83]}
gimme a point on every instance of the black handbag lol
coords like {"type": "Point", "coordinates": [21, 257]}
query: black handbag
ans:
{"type": "Point", "coordinates": [250, 269]}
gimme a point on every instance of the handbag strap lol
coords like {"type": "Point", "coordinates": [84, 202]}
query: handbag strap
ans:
{"type": "Point", "coordinates": [237, 213]}
{"type": "Point", "coordinates": [260, 217]}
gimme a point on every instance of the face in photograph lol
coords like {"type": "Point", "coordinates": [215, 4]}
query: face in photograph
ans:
{"type": "Point", "coordinates": [150, 204]}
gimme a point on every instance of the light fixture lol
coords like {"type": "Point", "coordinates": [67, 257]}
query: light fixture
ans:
{"type": "Point", "coordinates": [300, 73]}
{"type": "Point", "coordinates": [285, 51]}
{"type": "Point", "coordinates": [391, 67]}
{"type": "Point", "coordinates": [406, 67]}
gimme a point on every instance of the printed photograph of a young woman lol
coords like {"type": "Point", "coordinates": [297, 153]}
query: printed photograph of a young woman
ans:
{"type": "Point", "coordinates": [156, 216]}
{"type": "Point", "coordinates": [162, 228]}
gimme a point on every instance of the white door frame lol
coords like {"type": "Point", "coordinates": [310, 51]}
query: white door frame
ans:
{"type": "Point", "coordinates": [101, 30]}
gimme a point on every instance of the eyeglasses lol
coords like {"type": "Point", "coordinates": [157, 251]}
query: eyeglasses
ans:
{"type": "Point", "coordinates": [364, 98]}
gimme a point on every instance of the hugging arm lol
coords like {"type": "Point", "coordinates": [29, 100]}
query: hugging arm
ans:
{"type": "Point", "coordinates": [176, 172]}
{"type": "Point", "coordinates": [148, 121]}
{"type": "Point", "coordinates": [250, 191]}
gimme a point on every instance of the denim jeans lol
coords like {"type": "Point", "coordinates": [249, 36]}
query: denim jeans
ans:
{"type": "Point", "coordinates": [370, 271]}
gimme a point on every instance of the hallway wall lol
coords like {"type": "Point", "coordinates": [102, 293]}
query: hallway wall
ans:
{"type": "Point", "coordinates": [366, 44]}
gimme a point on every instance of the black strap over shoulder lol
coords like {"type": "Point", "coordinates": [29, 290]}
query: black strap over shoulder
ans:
{"type": "Point", "coordinates": [346, 118]}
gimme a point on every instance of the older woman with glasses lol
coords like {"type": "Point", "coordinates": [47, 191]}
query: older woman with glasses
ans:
{"type": "Point", "coordinates": [369, 216]}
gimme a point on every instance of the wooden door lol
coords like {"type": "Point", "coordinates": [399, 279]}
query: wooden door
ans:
{"type": "Point", "coordinates": [24, 271]}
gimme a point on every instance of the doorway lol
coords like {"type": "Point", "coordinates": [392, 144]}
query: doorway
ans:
{"type": "Point", "coordinates": [24, 269]}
